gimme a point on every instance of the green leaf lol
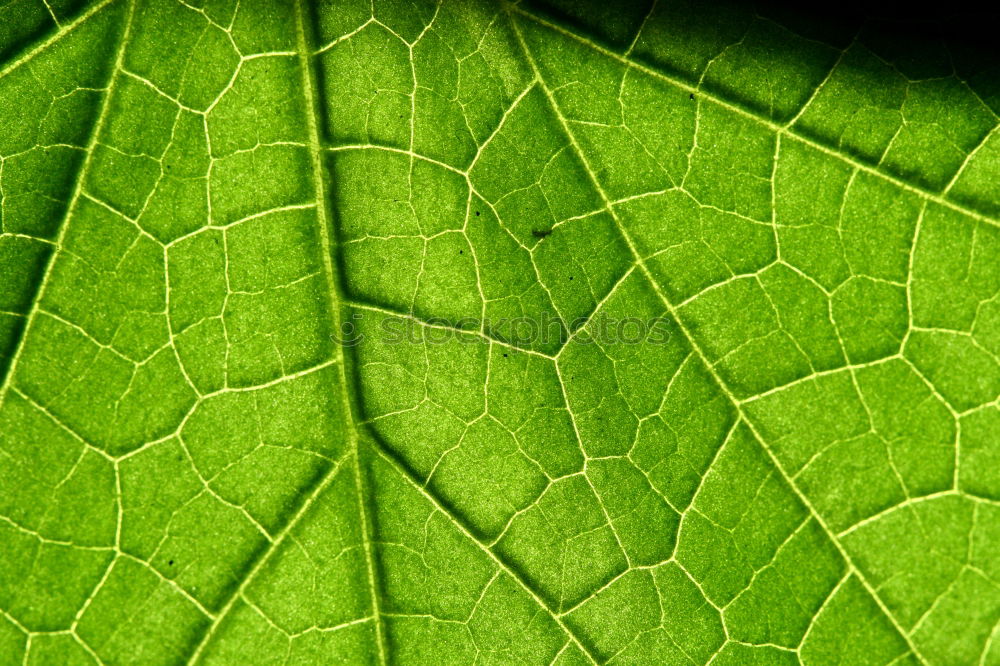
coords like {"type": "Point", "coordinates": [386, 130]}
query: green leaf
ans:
{"type": "Point", "coordinates": [565, 332]}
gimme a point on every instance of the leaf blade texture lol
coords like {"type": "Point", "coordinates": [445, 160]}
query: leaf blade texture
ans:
{"type": "Point", "coordinates": [265, 398]}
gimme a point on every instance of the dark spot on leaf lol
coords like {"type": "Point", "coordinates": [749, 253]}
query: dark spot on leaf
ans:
{"type": "Point", "coordinates": [477, 213]}
{"type": "Point", "coordinates": [171, 563]}
{"type": "Point", "coordinates": [461, 251]}
{"type": "Point", "coordinates": [505, 355]}
{"type": "Point", "coordinates": [540, 233]}
{"type": "Point", "coordinates": [691, 96]}
{"type": "Point", "coordinates": [570, 277]}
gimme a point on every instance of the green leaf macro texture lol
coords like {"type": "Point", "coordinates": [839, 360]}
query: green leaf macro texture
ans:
{"type": "Point", "coordinates": [266, 394]}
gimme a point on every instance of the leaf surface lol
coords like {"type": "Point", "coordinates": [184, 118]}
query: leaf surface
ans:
{"type": "Point", "coordinates": [268, 395]}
